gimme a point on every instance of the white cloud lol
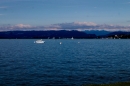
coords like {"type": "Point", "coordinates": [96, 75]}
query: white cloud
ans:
{"type": "Point", "coordinates": [85, 23]}
{"type": "Point", "coordinates": [16, 27]}
{"type": "Point", "coordinates": [52, 27]}
{"type": "Point", "coordinates": [91, 26]}
{"type": "Point", "coordinates": [80, 26]}
{"type": "Point", "coordinates": [22, 26]}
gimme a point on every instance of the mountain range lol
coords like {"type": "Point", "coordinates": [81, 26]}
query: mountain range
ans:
{"type": "Point", "coordinates": [63, 34]}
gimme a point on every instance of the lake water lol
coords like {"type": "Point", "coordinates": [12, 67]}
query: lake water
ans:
{"type": "Point", "coordinates": [23, 62]}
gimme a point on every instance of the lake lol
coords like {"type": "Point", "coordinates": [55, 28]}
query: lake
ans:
{"type": "Point", "coordinates": [72, 63]}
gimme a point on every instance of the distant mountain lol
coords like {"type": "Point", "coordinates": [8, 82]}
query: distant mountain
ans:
{"type": "Point", "coordinates": [62, 34]}
{"type": "Point", "coordinates": [45, 34]}
{"type": "Point", "coordinates": [118, 33]}
{"type": "Point", "coordinates": [97, 32]}
{"type": "Point", "coordinates": [107, 34]}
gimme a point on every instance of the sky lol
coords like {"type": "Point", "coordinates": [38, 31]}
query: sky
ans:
{"type": "Point", "coordinates": [108, 15]}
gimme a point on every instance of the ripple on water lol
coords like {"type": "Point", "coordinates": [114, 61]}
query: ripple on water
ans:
{"type": "Point", "coordinates": [92, 61]}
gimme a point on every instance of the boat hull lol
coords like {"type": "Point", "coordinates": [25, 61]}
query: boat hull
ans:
{"type": "Point", "coordinates": [39, 41]}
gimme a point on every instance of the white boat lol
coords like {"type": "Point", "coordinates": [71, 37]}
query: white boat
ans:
{"type": "Point", "coordinates": [72, 38]}
{"type": "Point", "coordinates": [39, 41]}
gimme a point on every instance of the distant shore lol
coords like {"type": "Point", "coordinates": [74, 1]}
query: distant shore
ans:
{"type": "Point", "coordinates": [61, 34]}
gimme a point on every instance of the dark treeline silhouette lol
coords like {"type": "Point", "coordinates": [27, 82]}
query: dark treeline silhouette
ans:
{"type": "Point", "coordinates": [60, 35]}
{"type": "Point", "coordinates": [44, 34]}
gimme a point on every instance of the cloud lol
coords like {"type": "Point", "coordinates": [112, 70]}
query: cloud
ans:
{"type": "Point", "coordinates": [81, 26]}
{"type": "Point", "coordinates": [91, 26]}
{"type": "Point", "coordinates": [22, 26]}
{"type": "Point", "coordinates": [74, 25]}
{"type": "Point", "coordinates": [15, 27]}
{"type": "Point", "coordinates": [85, 23]}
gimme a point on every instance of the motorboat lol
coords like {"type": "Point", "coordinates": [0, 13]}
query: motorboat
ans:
{"type": "Point", "coordinates": [39, 41]}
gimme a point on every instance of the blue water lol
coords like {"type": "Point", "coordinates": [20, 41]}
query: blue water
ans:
{"type": "Point", "coordinates": [22, 62]}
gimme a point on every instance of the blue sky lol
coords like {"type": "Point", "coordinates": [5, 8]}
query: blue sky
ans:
{"type": "Point", "coordinates": [57, 14]}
